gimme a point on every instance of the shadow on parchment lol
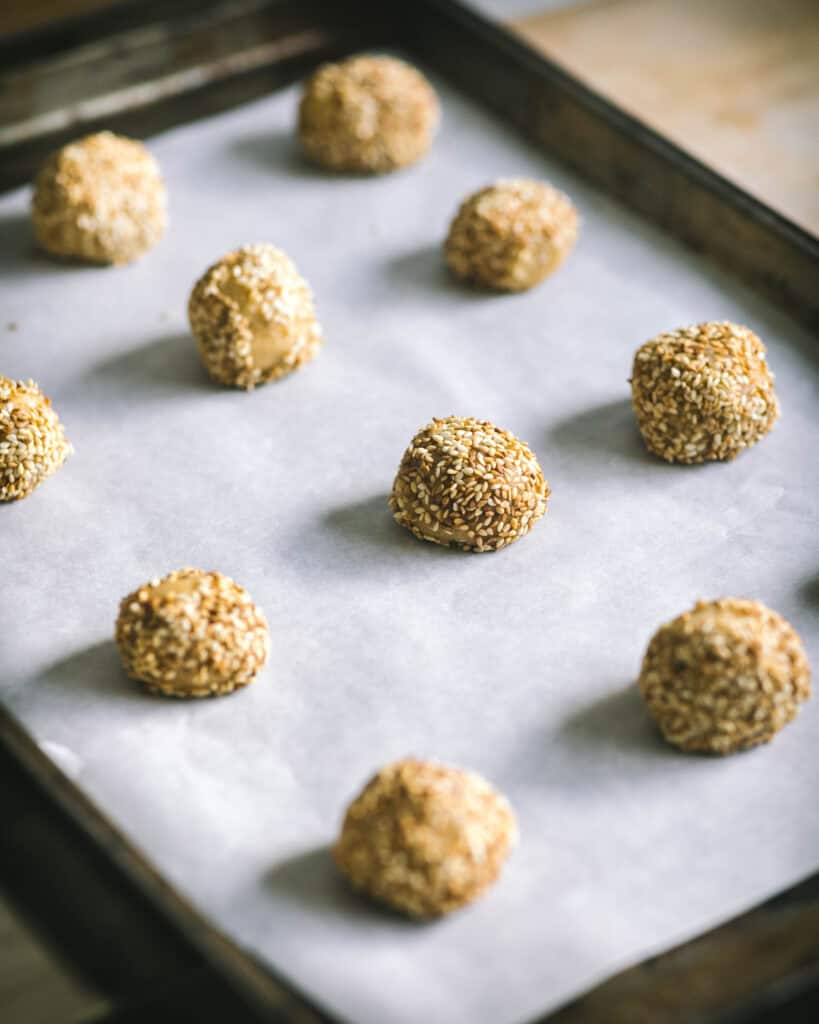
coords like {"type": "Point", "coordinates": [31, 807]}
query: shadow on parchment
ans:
{"type": "Point", "coordinates": [608, 430]}
{"type": "Point", "coordinates": [312, 880]}
{"type": "Point", "coordinates": [369, 524]}
{"type": "Point", "coordinates": [808, 592]}
{"type": "Point", "coordinates": [167, 363]}
{"type": "Point", "coordinates": [423, 270]}
{"type": "Point", "coordinates": [279, 150]}
{"type": "Point", "coordinates": [96, 670]}
{"type": "Point", "coordinates": [617, 720]}
{"type": "Point", "coordinates": [20, 253]}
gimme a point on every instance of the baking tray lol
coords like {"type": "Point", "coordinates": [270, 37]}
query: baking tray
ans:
{"type": "Point", "coordinates": [143, 939]}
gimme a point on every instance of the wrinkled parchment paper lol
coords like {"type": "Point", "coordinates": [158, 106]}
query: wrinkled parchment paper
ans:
{"type": "Point", "coordinates": [519, 664]}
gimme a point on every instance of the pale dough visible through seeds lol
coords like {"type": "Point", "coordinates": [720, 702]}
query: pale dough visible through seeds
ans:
{"type": "Point", "coordinates": [99, 199]}
{"type": "Point", "coordinates": [727, 675]}
{"type": "Point", "coordinates": [467, 483]}
{"type": "Point", "coordinates": [425, 839]}
{"type": "Point", "coordinates": [32, 441]}
{"type": "Point", "coordinates": [703, 393]}
{"type": "Point", "coordinates": [191, 634]}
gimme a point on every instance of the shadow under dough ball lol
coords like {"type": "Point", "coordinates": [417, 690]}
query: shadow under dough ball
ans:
{"type": "Point", "coordinates": [32, 441]}
{"type": "Point", "coordinates": [511, 235]}
{"type": "Point", "coordinates": [99, 199]}
{"type": "Point", "coordinates": [469, 484]}
{"type": "Point", "coordinates": [425, 839]}
{"type": "Point", "coordinates": [367, 115]}
{"type": "Point", "coordinates": [253, 318]}
{"type": "Point", "coordinates": [725, 676]}
{"type": "Point", "coordinates": [703, 393]}
{"type": "Point", "coordinates": [191, 634]}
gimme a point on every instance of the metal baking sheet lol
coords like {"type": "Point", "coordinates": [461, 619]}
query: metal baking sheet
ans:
{"type": "Point", "coordinates": [520, 664]}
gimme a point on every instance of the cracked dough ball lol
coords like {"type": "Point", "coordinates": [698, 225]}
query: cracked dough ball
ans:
{"type": "Point", "coordinates": [703, 393]}
{"type": "Point", "coordinates": [425, 839]}
{"type": "Point", "coordinates": [511, 235]}
{"type": "Point", "coordinates": [467, 483]}
{"type": "Point", "coordinates": [367, 114]}
{"type": "Point", "coordinates": [99, 199]}
{"type": "Point", "coordinates": [724, 676]}
{"type": "Point", "coordinates": [191, 634]}
{"type": "Point", "coordinates": [32, 442]}
{"type": "Point", "coordinates": [253, 318]}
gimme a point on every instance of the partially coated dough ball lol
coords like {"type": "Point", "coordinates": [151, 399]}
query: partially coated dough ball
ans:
{"type": "Point", "coordinates": [367, 114]}
{"type": "Point", "coordinates": [99, 199]}
{"type": "Point", "coordinates": [425, 839]}
{"type": "Point", "coordinates": [253, 318]}
{"type": "Point", "coordinates": [467, 483]}
{"type": "Point", "coordinates": [32, 441]}
{"type": "Point", "coordinates": [191, 634]}
{"type": "Point", "coordinates": [703, 393]}
{"type": "Point", "coordinates": [724, 676]}
{"type": "Point", "coordinates": [511, 235]}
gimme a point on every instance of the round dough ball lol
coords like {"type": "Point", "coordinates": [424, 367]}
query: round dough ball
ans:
{"type": "Point", "coordinates": [32, 442]}
{"type": "Point", "coordinates": [511, 235]}
{"type": "Point", "coordinates": [367, 114]}
{"type": "Point", "coordinates": [253, 318]}
{"type": "Point", "coordinates": [100, 199]}
{"type": "Point", "coordinates": [191, 634]}
{"type": "Point", "coordinates": [467, 483]}
{"type": "Point", "coordinates": [425, 839]}
{"type": "Point", "coordinates": [703, 393]}
{"type": "Point", "coordinates": [724, 676]}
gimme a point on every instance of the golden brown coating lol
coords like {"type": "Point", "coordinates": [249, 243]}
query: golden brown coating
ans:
{"type": "Point", "coordinates": [99, 199]}
{"type": "Point", "coordinates": [32, 441]}
{"type": "Point", "coordinates": [425, 839]}
{"type": "Point", "coordinates": [724, 676]}
{"type": "Point", "coordinates": [191, 634]}
{"type": "Point", "coordinates": [253, 318]}
{"type": "Point", "coordinates": [703, 393]}
{"type": "Point", "coordinates": [511, 235]}
{"type": "Point", "coordinates": [367, 115]}
{"type": "Point", "coordinates": [467, 483]}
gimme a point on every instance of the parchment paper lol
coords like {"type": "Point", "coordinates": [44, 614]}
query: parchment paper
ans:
{"type": "Point", "coordinates": [519, 664]}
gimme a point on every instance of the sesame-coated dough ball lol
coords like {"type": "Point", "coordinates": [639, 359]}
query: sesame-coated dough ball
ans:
{"type": "Point", "coordinates": [724, 676]}
{"type": "Point", "coordinates": [32, 442]}
{"type": "Point", "coordinates": [191, 634]}
{"type": "Point", "coordinates": [425, 839]}
{"type": "Point", "coordinates": [368, 115]}
{"type": "Point", "coordinates": [511, 235]}
{"type": "Point", "coordinates": [99, 199]}
{"type": "Point", "coordinates": [467, 483]}
{"type": "Point", "coordinates": [703, 393]}
{"type": "Point", "coordinates": [253, 318]}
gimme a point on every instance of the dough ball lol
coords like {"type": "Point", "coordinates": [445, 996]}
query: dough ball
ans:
{"type": "Point", "coordinates": [367, 114]}
{"type": "Point", "coordinates": [470, 484]}
{"type": "Point", "coordinates": [703, 393]}
{"type": "Point", "coordinates": [425, 839]}
{"type": "Point", "coordinates": [253, 318]}
{"type": "Point", "coordinates": [191, 634]}
{"type": "Point", "coordinates": [724, 676]}
{"type": "Point", "coordinates": [511, 235]}
{"type": "Point", "coordinates": [100, 199]}
{"type": "Point", "coordinates": [32, 442]}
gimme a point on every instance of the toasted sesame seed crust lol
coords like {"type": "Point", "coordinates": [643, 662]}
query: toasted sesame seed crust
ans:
{"type": "Point", "coordinates": [511, 235]}
{"type": "Point", "coordinates": [467, 483]}
{"type": "Point", "coordinates": [367, 115]}
{"type": "Point", "coordinates": [99, 199]}
{"type": "Point", "coordinates": [32, 441]}
{"type": "Point", "coordinates": [703, 393]}
{"type": "Point", "coordinates": [191, 634]}
{"type": "Point", "coordinates": [253, 318]}
{"type": "Point", "coordinates": [425, 839]}
{"type": "Point", "coordinates": [724, 676]}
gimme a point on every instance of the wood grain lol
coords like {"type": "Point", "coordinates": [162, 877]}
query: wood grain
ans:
{"type": "Point", "coordinates": [734, 82]}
